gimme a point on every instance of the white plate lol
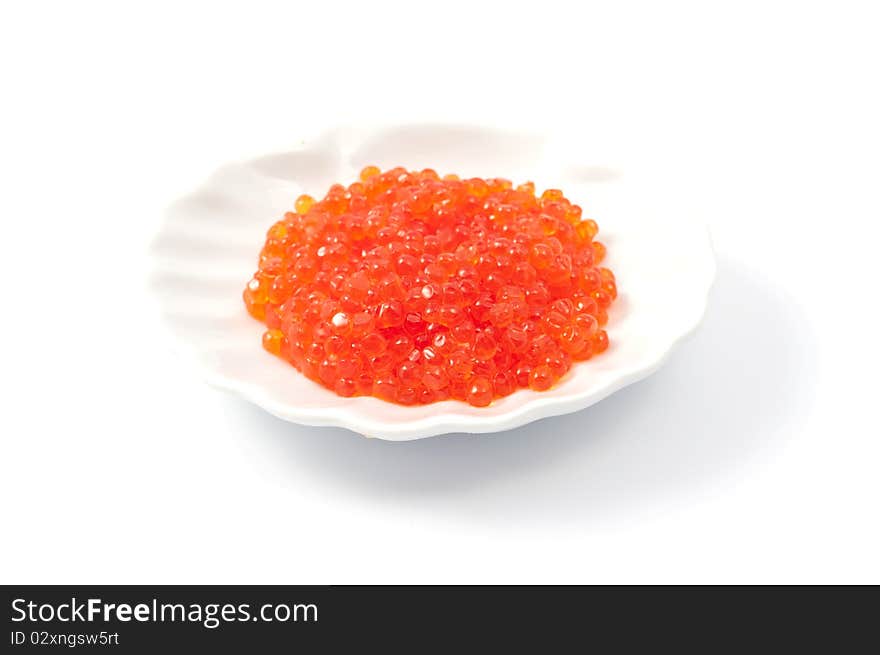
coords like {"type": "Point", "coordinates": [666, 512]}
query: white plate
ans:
{"type": "Point", "coordinates": [208, 244]}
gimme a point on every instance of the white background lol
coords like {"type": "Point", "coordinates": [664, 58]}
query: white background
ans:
{"type": "Point", "coordinates": [751, 457]}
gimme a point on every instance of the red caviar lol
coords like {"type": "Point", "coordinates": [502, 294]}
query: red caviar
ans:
{"type": "Point", "coordinates": [415, 288]}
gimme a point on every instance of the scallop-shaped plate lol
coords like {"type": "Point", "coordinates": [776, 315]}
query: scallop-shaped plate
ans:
{"type": "Point", "coordinates": [207, 247]}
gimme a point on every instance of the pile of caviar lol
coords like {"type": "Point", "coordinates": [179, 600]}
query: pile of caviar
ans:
{"type": "Point", "coordinates": [415, 288]}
